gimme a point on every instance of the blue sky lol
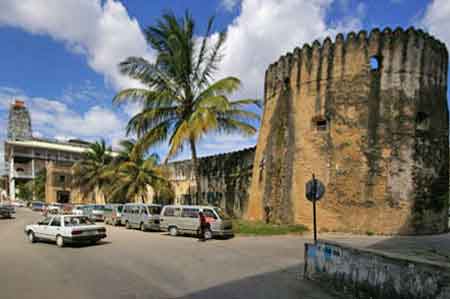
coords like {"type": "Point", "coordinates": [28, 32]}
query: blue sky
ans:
{"type": "Point", "coordinates": [61, 56]}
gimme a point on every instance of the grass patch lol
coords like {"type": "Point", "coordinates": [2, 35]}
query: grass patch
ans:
{"type": "Point", "coordinates": [259, 228]}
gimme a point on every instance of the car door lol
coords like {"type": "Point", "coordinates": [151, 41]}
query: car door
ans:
{"type": "Point", "coordinates": [211, 218]}
{"type": "Point", "coordinates": [190, 219]}
{"type": "Point", "coordinates": [54, 228]}
{"type": "Point", "coordinates": [41, 228]}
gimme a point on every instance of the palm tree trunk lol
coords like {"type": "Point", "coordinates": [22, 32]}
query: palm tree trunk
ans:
{"type": "Point", "coordinates": [196, 172]}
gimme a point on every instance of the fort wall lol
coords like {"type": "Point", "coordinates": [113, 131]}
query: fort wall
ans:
{"type": "Point", "coordinates": [377, 136]}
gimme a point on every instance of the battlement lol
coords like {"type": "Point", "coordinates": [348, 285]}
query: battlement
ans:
{"type": "Point", "coordinates": [396, 50]}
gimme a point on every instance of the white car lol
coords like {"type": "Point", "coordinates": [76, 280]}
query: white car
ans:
{"type": "Point", "coordinates": [18, 204]}
{"type": "Point", "coordinates": [65, 229]}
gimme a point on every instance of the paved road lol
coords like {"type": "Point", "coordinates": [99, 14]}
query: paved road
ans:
{"type": "Point", "coordinates": [135, 265]}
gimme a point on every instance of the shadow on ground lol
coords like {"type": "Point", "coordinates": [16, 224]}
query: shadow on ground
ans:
{"type": "Point", "coordinates": [283, 284]}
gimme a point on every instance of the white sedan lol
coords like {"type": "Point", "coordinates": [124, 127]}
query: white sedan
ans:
{"type": "Point", "coordinates": [65, 229]}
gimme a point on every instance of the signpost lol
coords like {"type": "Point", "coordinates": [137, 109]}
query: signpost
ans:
{"type": "Point", "coordinates": [314, 191]}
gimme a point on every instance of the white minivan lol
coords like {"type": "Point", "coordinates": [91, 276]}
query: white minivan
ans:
{"type": "Point", "coordinates": [183, 219]}
{"type": "Point", "coordinates": [142, 216]}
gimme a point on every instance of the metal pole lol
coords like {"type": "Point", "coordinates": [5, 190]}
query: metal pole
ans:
{"type": "Point", "coordinates": [314, 191]}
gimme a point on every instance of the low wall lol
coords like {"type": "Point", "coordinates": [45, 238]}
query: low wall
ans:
{"type": "Point", "coordinates": [370, 274]}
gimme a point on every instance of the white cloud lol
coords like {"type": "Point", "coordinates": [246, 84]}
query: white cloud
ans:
{"type": "Point", "coordinates": [267, 29]}
{"type": "Point", "coordinates": [53, 118]}
{"type": "Point", "coordinates": [105, 33]}
{"type": "Point", "coordinates": [230, 4]}
{"type": "Point", "coordinates": [86, 92]}
{"type": "Point", "coordinates": [437, 19]}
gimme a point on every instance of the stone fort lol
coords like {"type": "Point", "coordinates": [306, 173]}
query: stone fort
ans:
{"type": "Point", "coordinates": [368, 115]}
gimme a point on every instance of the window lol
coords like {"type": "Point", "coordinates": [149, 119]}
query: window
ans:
{"type": "Point", "coordinates": [144, 210]}
{"type": "Point", "coordinates": [222, 214]}
{"type": "Point", "coordinates": [422, 121]}
{"type": "Point", "coordinates": [169, 212]}
{"type": "Point", "coordinates": [189, 213]}
{"type": "Point", "coordinates": [321, 125]}
{"type": "Point", "coordinates": [154, 210]}
{"type": "Point", "coordinates": [77, 221]}
{"type": "Point", "coordinates": [209, 213]}
{"type": "Point", "coordinates": [62, 179]}
{"type": "Point", "coordinates": [374, 63]}
{"type": "Point", "coordinates": [56, 221]}
{"type": "Point", "coordinates": [45, 221]}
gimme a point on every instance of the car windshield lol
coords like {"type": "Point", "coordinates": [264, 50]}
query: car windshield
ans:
{"type": "Point", "coordinates": [77, 221]}
{"type": "Point", "coordinates": [154, 210]}
{"type": "Point", "coordinates": [221, 214]}
{"type": "Point", "coordinates": [119, 209]}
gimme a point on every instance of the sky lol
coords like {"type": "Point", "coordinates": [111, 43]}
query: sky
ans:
{"type": "Point", "coordinates": [61, 56]}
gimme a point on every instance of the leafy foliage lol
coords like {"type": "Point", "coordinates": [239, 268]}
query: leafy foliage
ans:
{"type": "Point", "coordinates": [180, 101]}
{"type": "Point", "coordinates": [89, 173]}
{"type": "Point", "coordinates": [131, 174]}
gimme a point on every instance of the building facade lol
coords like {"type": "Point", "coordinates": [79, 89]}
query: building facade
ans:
{"type": "Point", "coordinates": [368, 116]}
{"type": "Point", "coordinates": [224, 181]}
{"type": "Point", "coordinates": [26, 157]}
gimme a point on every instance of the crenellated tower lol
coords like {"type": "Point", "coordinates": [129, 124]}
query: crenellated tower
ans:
{"type": "Point", "coordinates": [368, 115]}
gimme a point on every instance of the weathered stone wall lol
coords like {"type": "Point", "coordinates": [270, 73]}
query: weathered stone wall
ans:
{"type": "Point", "coordinates": [377, 138]}
{"type": "Point", "coordinates": [367, 274]}
{"type": "Point", "coordinates": [225, 180]}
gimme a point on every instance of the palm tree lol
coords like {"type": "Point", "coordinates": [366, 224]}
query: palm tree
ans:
{"type": "Point", "coordinates": [89, 173]}
{"type": "Point", "coordinates": [180, 101]}
{"type": "Point", "coordinates": [132, 173]}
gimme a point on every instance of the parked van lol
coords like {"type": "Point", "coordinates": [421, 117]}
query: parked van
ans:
{"type": "Point", "coordinates": [113, 214]}
{"type": "Point", "coordinates": [181, 219]}
{"type": "Point", "coordinates": [142, 216]}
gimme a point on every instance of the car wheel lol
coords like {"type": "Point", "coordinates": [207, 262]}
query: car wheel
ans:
{"type": "Point", "coordinates": [107, 221]}
{"type": "Point", "coordinates": [208, 234]}
{"type": "Point", "coordinates": [59, 241]}
{"type": "Point", "coordinates": [173, 231]}
{"type": "Point", "coordinates": [127, 225]}
{"type": "Point", "coordinates": [142, 227]}
{"type": "Point", "coordinates": [31, 237]}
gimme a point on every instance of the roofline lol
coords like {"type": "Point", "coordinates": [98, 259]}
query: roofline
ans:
{"type": "Point", "coordinates": [51, 145]}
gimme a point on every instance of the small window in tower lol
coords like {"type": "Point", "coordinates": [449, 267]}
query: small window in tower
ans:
{"type": "Point", "coordinates": [62, 179]}
{"type": "Point", "coordinates": [321, 124]}
{"type": "Point", "coordinates": [422, 121]}
{"type": "Point", "coordinates": [374, 63]}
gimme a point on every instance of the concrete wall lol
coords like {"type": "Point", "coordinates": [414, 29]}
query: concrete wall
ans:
{"type": "Point", "coordinates": [225, 180]}
{"type": "Point", "coordinates": [377, 138]}
{"type": "Point", "coordinates": [366, 274]}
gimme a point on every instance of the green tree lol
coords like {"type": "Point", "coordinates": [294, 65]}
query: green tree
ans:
{"type": "Point", "coordinates": [181, 102]}
{"type": "Point", "coordinates": [132, 173]}
{"type": "Point", "coordinates": [39, 184]}
{"type": "Point", "coordinates": [89, 172]}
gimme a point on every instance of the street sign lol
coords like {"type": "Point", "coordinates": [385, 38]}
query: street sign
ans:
{"type": "Point", "coordinates": [314, 190]}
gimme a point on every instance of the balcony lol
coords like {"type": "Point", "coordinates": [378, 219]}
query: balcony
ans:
{"type": "Point", "coordinates": [23, 170]}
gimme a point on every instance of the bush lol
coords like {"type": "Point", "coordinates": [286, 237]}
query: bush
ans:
{"type": "Point", "coordinates": [259, 228]}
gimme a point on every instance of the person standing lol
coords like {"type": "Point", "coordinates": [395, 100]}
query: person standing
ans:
{"type": "Point", "coordinates": [203, 224]}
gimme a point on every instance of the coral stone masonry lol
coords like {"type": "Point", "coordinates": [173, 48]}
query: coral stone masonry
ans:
{"type": "Point", "coordinates": [368, 115]}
